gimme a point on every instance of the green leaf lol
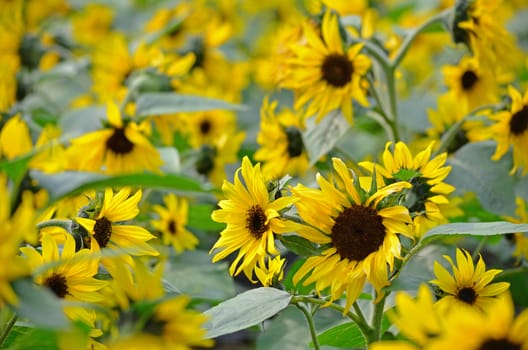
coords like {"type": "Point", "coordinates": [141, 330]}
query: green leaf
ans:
{"type": "Point", "coordinates": [74, 183]}
{"type": "Point", "coordinates": [200, 218]}
{"type": "Point", "coordinates": [473, 229]}
{"type": "Point", "coordinates": [288, 279]}
{"type": "Point", "coordinates": [299, 245]}
{"type": "Point", "coordinates": [30, 338]}
{"type": "Point", "coordinates": [319, 138]}
{"type": "Point", "coordinates": [39, 305]}
{"type": "Point", "coordinates": [193, 273]}
{"type": "Point", "coordinates": [346, 335]}
{"type": "Point", "coordinates": [160, 103]}
{"type": "Point", "coordinates": [16, 168]}
{"type": "Point", "coordinates": [245, 310]}
{"type": "Point", "coordinates": [474, 171]}
{"type": "Point", "coordinates": [518, 279]}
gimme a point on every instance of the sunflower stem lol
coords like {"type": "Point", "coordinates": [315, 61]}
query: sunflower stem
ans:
{"type": "Point", "coordinates": [311, 326]}
{"type": "Point", "coordinates": [479, 247]}
{"type": "Point", "coordinates": [65, 224]}
{"type": "Point", "coordinates": [7, 329]}
{"type": "Point", "coordinates": [358, 311]}
{"type": "Point", "coordinates": [404, 47]}
{"type": "Point", "coordinates": [362, 325]}
{"type": "Point", "coordinates": [377, 317]}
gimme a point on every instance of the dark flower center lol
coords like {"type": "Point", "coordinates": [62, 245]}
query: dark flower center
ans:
{"type": "Point", "coordinates": [358, 231]}
{"type": "Point", "coordinates": [102, 231]}
{"type": "Point", "coordinates": [469, 79]}
{"type": "Point", "coordinates": [418, 195]}
{"type": "Point", "coordinates": [205, 127]}
{"type": "Point", "coordinates": [119, 143]}
{"type": "Point", "coordinates": [57, 284]}
{"type": "Point", "coordinates": [519, 121]}
{"type": "Point", "coordinates": [467, 295]}
{"type": "Point", "coordinates": [256, 221]}
{"type": "Point", "coordinates": [206, 160]}
{"type": "Point", "coordinates": [499, 344]}
{"type": "Point", "coordinates": [172, 227]}
{"type": "Point", "coordinates": [337, 70]}
{"type": "Point", "coordinates": [295, 141]}
{"type": "Point", "coordinates": [155, 326]}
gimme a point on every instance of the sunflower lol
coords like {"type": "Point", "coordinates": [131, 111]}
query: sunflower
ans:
{"type": "Point", "coordinates": [107, 231]}
{"type": "Point", "coordinates": [496, 329]}
{"type": "Point", "coordinates": [15, 227]}
{"type": "Point", "coordinates": [359, 228]}
{"type": "Point", "coordinates": [206, 127]}
{"type": "Point", "coordinates": [416, 318]}
{"type": "Point", "coordinates": [273, 272]}
{"type": "Point", "coordinates": [70, 275]}
{"type": "Point", "coordinates": [282, 147]}
{"type": "Point", "coordinates": [325, 75]}
{"type": "Point", "coordinates": [472, 84]}
{"type": "Point", "coordinates": [520, 238]}
{"type": "Point", "coordinates": [92, 24]}
{"type": "Point", "coordinates": [511, 129]}
{"type": "Point", "coordinates": [469, 285]}
{"type": "Point", "coordinates": [121, 148]}
{"type": "Point", "coordinates": [15, 139]}
{"type": "Point", "coordinates": [428, 194]}
{"type": "Point", "coordinates": [172, 221]}
{"type": "Point", "coordinates": [252, 220]}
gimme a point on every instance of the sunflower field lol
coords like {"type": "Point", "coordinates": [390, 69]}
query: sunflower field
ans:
{"type": "Point", "coordinates": [281, 174]}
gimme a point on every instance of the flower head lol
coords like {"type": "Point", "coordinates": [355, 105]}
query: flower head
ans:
{"type": "Point", "coordinates": [469, 285]}
{"type": "Point", "coordinates": [359, 228]}
{"type": "Point", "coordinates": [252, 220]}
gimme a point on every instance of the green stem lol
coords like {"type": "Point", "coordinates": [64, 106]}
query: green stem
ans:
{"type": "Point", "coordinates": [311, 325]}
{"type": "Point", "coordinates": [358, 311]}
{"type": "Point", "coordinates": [7, 329]}
{"type": "Point", "coordinates": [404, 47]}
{"type": "Point", "coordinates": [362, 325]}
{"type": "Point", "coordinates": [377, 317]}
{"type": "Point", "coordinates": [65, 224]}
{"type": "Point", "coordinates": [479, 247]}
{"type": "Point", "coordinates": [385, 123]}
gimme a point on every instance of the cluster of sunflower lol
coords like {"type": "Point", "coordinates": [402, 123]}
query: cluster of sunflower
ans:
{"type": "Point", "coordinates": [121, 121]}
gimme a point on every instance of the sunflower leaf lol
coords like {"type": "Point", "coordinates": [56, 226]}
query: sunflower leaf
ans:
{"type": "Point", "coordinates": [320, 138]}
{"type": "Point", "coordinates": [161, 103]}
{"type": "Point", "coordinates": [473, 229]}
{"type": "Point", "coordinates": [245, 310]}
{"type": "Point", "coordinates": [73, 183]}
{"type": "Point", "coordinates": [299, 245]}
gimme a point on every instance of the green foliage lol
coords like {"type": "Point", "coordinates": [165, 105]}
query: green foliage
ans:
{"type": "Point", "coordinates": [473, 229]}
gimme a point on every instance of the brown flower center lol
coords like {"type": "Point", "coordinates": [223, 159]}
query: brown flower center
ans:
{"type": "Point", "coordinates": [256, 221]}
{"type": "Point", "coordinates": [57, 284]}
{"type": "Point", "coordinates": [469, 79]}
{"type": "Point", "coordinates": [519, 121]}
{"type": "Point", "coordinates": [337, 70]}
{"type": "Point", "coordinates": [499, 344]}
{"type": "Point", "coordinates": [119, 143]}
{"type": "Point", "coordinates": [205, 127]}
{"type": "Point", "coordinates": [172, 227]}
{"type": "Point", "coordinates": [467, 295]}
{"type": "Point", "coordinates": [358, 231]}
{"type": "Point", "coordinates": [295, 141]}
{"type": "Point", "coordinates": [102, 231]}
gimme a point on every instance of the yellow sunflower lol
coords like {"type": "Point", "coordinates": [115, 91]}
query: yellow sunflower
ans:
{"type": "Point", "coordinates": [107, 231]}
{"type": "Point", "coordinates": [70, 275]}
{"type": "Point", "coordinates": [206, 127]}
{"type": "Point", "coordinates": [360, 229]}
{"type": "Point", "coordinates": [120, 148]}
{"type": "Point", "coordinates": [252, 220]}
{"type": "Point", "coordinates": [14, 229]}
{"type": "Point", "coordinates": [91, 24]}
{"type": "Point", "coordinates": [426, 175]}
{"type": "Point", "coordinates": [469, 285]}
{"type": "Point", "coordinates": [496, 329]}
{"type": "Point", "coordinates": [15, 139]}
{"type": "Point", "coordinates": [324, 75]}
{"type": "Point", "coordinates": [172, 221]}
{"type": "Point", "coordinates": [520, 238]}
{"type": "Point", "coordinates": [273, 272]}
{"type": "Point", "coordinates": [281, 145]}
{"type": "Point", "coordinates": [472, 84]}
{"type": "Point", "coordinates": [511, 129]}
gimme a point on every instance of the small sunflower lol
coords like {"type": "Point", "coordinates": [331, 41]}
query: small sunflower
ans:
{"type": "Point", "coordinates": [469, 285]}
{"type": "Point", "coordinates": [107, 231]}
{"type": "Point", "coordinates": [206, 127]}
{"type": "Point", "coordinates": [360, 229]}
{"type": "Point", "coordinates": [120, 148]}
{"type": "Point", "coordinates": [511, 129]}
{"type": "Point", "coordinates": [274, 271]}
{"type": "Point", "coordinates": [472, 84]}
{"type": "Point", "coordinates": [325, 75]}
{"type": "Point", "coordinates": [496, 329]}
{"type": "Point", "coordinates": [172, 221]}
{"type": "Point", "coordinates": [426, 175]}
{"type": "Point", "coordinates": [71, 278]}
{"type": "Point", "coordinates": [281, 145]}
{"type": "Point", "coordinates": [252, 220]}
